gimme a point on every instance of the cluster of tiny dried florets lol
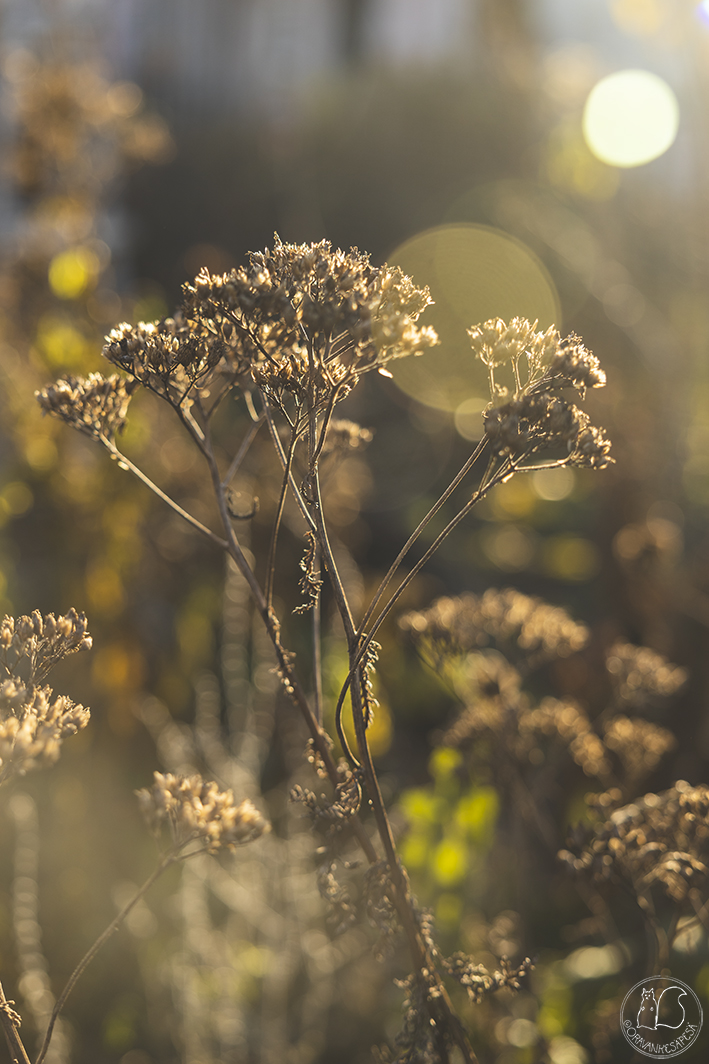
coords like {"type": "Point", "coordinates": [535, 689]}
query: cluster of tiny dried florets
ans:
{"type": "Point", "coordinates": [659, 839]}
{"type": "Point", "coordinates": [497, 708]}
{"type": "Point", "coordinates": [197, 810]}
{"type": "Point", "coordinates": [454, 634]}
{"type": "Point", "coordinates": [531, 416]}
{"type": "Point", "coordinates": [638, 744]}
{"type": "Point", "coordinates": [344, 436]}
{"type": "Point", "coordinates": [171, 356]}
{"type": "Point", "coordinates": [639, 674]}
{"type": "Point", "coordinates": [95, 405]}
{"type": "Point", "coordinates": [41, 641]}
{"type": "Point", "coordinates": [516, 623]}
{"type": "Point", "coordinates": [32, 725]}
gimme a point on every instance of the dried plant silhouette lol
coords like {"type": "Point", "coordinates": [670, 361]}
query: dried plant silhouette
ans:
{"type": "Point", "coordinates": [288, 337]}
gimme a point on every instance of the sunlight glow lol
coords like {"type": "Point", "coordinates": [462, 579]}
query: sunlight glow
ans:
{"type": "Point", "coordinates": [630, 118]}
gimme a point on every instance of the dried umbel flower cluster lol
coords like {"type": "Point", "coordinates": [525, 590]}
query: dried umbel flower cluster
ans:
{"type": "Point", "coordinates": [95, 405]}
{"type": "Point", "coordinates": [514, 622]}
{"type": "Point", "coordinates": [660, 839]}
{"type": "Point", "coordinates": [32, 725]}
{"type": "Point", "coordinates": [640, 675]}
{"type": "Point", "coordinates": [453, 636]}
{"type": "Point", "coordinates": [345, 436]}
{"type": "Point", "coordinates": [532, 415]}
{"type": "Point", "coordinates": [300, 320]}
{"type": "Point", "coordinates": [41, 641]}
{"type": "Point", "coordinates": [310, 320]}
{"type": "Point", "coordinates": [62, 108]}
{"type": "Point", "coordinates": [197, 810]}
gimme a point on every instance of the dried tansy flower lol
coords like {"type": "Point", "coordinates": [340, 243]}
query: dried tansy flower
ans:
{"type": "Point", "coordinates": [197, 810]}
{"type": "Point", "coordinates": [660, 839]}
{"type": "Point", "coordinates": [95, 405]}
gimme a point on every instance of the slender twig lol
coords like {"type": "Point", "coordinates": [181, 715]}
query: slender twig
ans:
{"type": "Point", "coordinates": [8, 1017]}
{"type": "Point", "coordinates": [243, 448]}
{"type": "Point", "coordinates": [460, 475]}
{"type": "Point", "coordinates": [83, 964]}
{"type": "Point", "coordinates": [126, 463]}
{"type": "Point", "coordinates": [504, 471]}
{"type": "Point", "coordinates": [298, 495]}
{"type": "Point", "coordinates": [271, 560]}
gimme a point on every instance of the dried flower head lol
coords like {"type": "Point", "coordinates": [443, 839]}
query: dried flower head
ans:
{"type": "Point", "coordinates": [32, 726]}
{"type": "Point", "coordinates": [171, 356]}
{"type": "Point", "coordinates": [41, 641]}
{"type": "Point", "coordinates": [345, 436]}
{"type": "Point", "coordinates": [310, 319]}
{"type": "Point", "coordinates": [639, 745]}
{"type": "Point", "coordinates": [522, 626]}
{"type": "Point", "coordinates": [659, 839]}
{"type": "Point", "coordinates": [640, 675]}
{"type": "Point", "coordinates": [95, 405]}
{"type": "Point", "coordinates": [197, 810]}
{"type": "Point", "coordinates": [530, 415]}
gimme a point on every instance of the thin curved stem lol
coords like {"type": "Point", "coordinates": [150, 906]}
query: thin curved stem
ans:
{"type": "Point", "coordinates": [126, 463]}
{"type": "Point", "coordinates": [91, 953]}
{"type": "Point", "coordinates": [8, 1016]}
{"type": "Point", "coordinates": [243, 448]}
{"type": "Point", "coordinates": [460, 475]}
{"type": "Point", "coordinates": [271, 560]}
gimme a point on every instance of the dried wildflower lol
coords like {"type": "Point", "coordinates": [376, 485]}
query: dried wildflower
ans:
{"type": "Point", "coordinates": [660, 839]}
{"type": "Point", "coordinates": [95, 405]}
{"type": "Point", "coordinates": [171, 356]}
{"type": "Point", "coordinates": [41, 641]}
{"type": "Point", "coordinates": [344, 436]}
{"type": "Point", "coordinates": [197, 810]}
{"type": "Point", "coordinates": [569, 722]}
{"type": "Point", "coordinates": [536, 417]}
{"type": "Point", "coordinates": [640, 675]}
{"type": "Point", "coordinates": [638, 744]}
{"type": "Point", "coordinates": [32, 726]}
{"type": "Point", "coordinates": [311, 320]}
{"type": "Point", "coordinates": [521, 625]}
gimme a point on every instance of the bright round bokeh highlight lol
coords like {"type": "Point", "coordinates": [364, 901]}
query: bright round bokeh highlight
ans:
{"type": "Point", "coordinates": [630, 118]}
{"type": "Point", "coordinates": [474, 273]}
{"type": "Point", "coordinates": [702, 12]}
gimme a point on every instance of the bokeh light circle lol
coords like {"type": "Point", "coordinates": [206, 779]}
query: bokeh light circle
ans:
{"type": "Point", "coordinates": [474, 272]}
{"type": "Point", "coordinates": [630, 118]}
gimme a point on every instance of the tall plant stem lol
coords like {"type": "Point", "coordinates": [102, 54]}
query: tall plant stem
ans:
{"type": "Point", "coordinates": [440, 1006]}
{"type": "Point", "coordinates": [100, 941]}
{"type": "Point", "coordinates": [8, 1015]}
{"type": "Point", "coordinates": [289, 678]}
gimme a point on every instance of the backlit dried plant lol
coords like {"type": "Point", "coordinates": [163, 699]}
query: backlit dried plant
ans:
{"type": "Point", "coordinates": [656, 846]}
{"type": "Point", "coordinates": [32, 723]}
{"type": "Point", "coordinates": [289, 335]}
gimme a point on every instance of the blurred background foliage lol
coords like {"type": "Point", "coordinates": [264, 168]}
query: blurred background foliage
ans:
{"type": "Point", "coordinates": [143, 141]}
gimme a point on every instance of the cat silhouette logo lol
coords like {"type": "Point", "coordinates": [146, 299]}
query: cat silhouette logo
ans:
{"type": "Point", "coordinates": [661, 1017]}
